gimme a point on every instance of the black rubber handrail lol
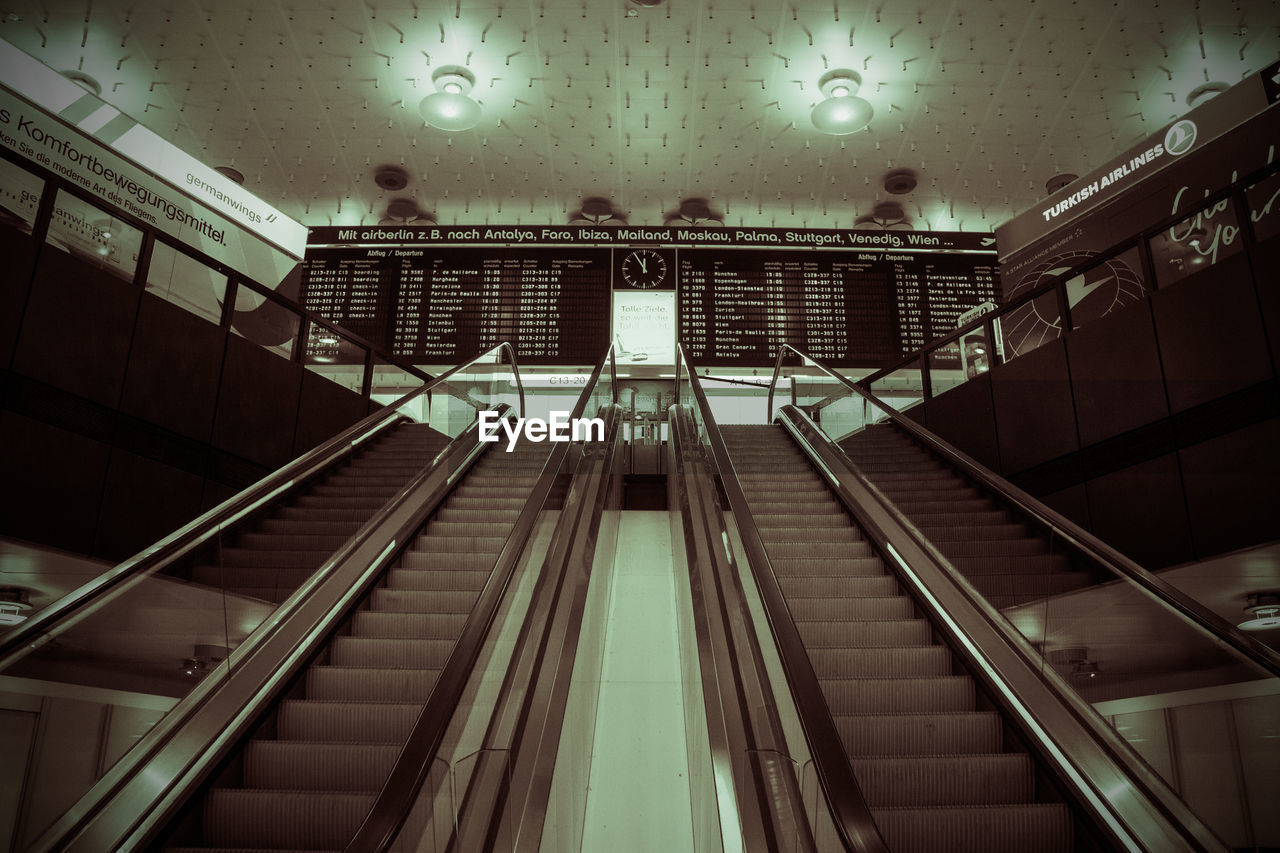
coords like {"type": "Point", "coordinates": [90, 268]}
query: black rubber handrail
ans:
{"type": "Point", "coordinates": [1063, 528]}
{"type": "Point", "coordinates": [199, 531]}
{"type": "Point", "coordinates": [849, 810]}
{"type": "Point", "coordinates": [413, 766]}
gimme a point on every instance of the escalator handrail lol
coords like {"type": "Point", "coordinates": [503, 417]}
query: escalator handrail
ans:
{"type": "Point", "coordinates": [203, 528]}
{"type": "Point", "coordinates": [382, 825]}
{"type": "Point", "coordinates": [849, 810]}
{"type": "Point", "coordinates": [1061, 527]}
{"type": "Point", "coordinates": [192, 734]}
{"type": "Point", "coordinates": [1119, 787]}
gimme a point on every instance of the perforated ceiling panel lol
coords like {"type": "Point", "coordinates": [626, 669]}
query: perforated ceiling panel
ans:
{"type": "Point", "coordinates": [646, 106]}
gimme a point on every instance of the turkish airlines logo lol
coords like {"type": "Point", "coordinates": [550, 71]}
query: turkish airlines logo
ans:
{"type": "Point", "coordinates": [1180, 137]}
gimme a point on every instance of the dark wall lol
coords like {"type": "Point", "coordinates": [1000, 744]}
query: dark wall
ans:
{"type": "Point", "coordinates": [123, 416]}
{"type": "Point", "coordinates": [1157, 427]}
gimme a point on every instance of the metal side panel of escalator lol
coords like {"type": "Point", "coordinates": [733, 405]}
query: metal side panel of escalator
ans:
{"type": "Point", "coordinates": [932, 759]}
{"type": "Point", "coordinates": [313, 768]}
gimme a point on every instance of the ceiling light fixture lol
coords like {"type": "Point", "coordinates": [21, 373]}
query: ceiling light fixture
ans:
{"type": "Point", "coordinates": [451, 108]}
{"type": "Point", "coordinates": [842, 112]}
{"type": "Point", "coordinates": [1264, 611]}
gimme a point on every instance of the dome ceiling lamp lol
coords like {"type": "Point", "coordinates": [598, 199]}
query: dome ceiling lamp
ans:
{"type": "Point", "coordinates": [451, 108]}
{"type": "Point", "coordinates": [842, 112]}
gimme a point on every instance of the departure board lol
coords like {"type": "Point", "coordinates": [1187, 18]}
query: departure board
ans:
{"type": "Point", "coordinates": [860, 309]}
{"type": "Point", "coordinates": [438, 294]}
{"type": "Point", "coordinates": [442, 307]}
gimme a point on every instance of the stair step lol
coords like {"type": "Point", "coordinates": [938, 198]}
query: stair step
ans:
{"type": "Point", "coordinates": [302, 766]}
{"type": "Point", "coordinates": [346, 722]}
{"type": "Point", "coordinates": [948, 780]}
{"type": "Point", "coordinates": [894, 695]}
{"type": "Point", "coordinates": [1044, 828]}
{"type": "Point", "coordinates": [392, 624]}
{"type": "Point", "coordinates": [844, 609]}
{"type": "Point", "coordinates": [872, 633]}
{"type": "Point", "coordinates": [881, 662]}
{"type": "Point", "coordinates": [391, 652]}
{"type": "Point", "coordinates": [920, 734]}
{"type": "Point", "coordinates": [283, 819]}
{"type": "Point", "coordinates": [357, 684]}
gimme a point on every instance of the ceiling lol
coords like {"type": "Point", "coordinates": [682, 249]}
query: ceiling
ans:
{"type": "Point", "coordinates": [646, 106]}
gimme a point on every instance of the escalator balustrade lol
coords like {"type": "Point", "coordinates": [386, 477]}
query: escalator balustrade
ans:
{"type": "Point", "coordinates": [933, 765]}
{"type": "Point", "coordinates": [313, 771]}
{"type": "Point", "coordinates": [279, 553]}
{"type": "Point", "coordinates": [1005, 560]}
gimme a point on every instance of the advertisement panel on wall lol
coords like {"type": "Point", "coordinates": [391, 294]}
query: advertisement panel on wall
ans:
{"type": "Point", "coordinates": [1171, 172]}
{"type": "Point", "coordinates": [53, 123]}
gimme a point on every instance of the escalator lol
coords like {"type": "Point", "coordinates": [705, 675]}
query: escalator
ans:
{"type": "Point", "coordinates": [342, 691]}
{"type": "Point", "coordinates": [311, 774]}
{"type": "Point", "coordinates": [1007, 561]}
{"type": "Point", "coordinates": [944, 634]}
{"type": "Point", "coordinates": [274, 556]}
{"type": "Point", "coordinates": [934, 767]}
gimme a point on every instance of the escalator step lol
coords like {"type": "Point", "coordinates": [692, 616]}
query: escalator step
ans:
{"type": "Point", "coordinates": [1044, 828]}
{"type": "Point", "coordinates": [866, 634]}
{"type": "Point", "coordinates": [946, 780]}
{"type": "Point", "coordinates": [975, 533]}
{"type": "Point", "coordinates": [980, 518]}
{"type": "Point", "coordinates": [408, 578]}
{"type": "Point", "coordinates": [308, 527]}
{"type": "Point", "coordinates": [850, 608]}
{"type": "Point", "coordinates": [346, 722]}
{"type": "Point", "coordinates": [390, 652]}
{"type": "Point", "coordinates": [351, 684]}
{"type": "Point", "coordinates": [426, 626]}
{"type": "Point", "coordinates": [1028, 546]}
{"type": "Point", "coordinates": [841, 566]}
{"type": "Point", "coordinates": [782, 521]}
{"type": "Point", "coordinates": [339, 501]}
{"type": "Point", "coordinates": [991, 564]}
{"type": "Point", "coordinates": [460, 544]}
{"type": "Point", "coordinates": [274, 557]}
{"type": "Point", "coordinates": [423, 601]}
{"type": "Point", "coordinates": [323, 820]}
{"type": "Point", "coordinates": [810, 550]}
{"type": "Point", "coordinates": [870, 663]}
{"type": "Point", "coordinates": [816, 533]}
{"type": "Point", "coordinates": [920, 734]}
{"type": "Point", "coordinates": [301, 766]}
{"type": "Point", "coordinates": [448, 560]}
{"type": "Point", "coordinates": [840, 585]}
{"type": "Point", "coordinates": [899, 695]}
{"type": "Point", "coordinates": [291, 542]}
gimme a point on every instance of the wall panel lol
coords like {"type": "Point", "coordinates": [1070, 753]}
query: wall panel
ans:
{"type": "Point", "coordinates": [75, 334]}
{"type": "Point", "coordinates": [1211, 336]}
{"type": "Point", "coordinates": [174, 368]}
{"type": "Point", "coordinates": [257, 404]}
{"type": "Point", "coordinates": [1035, 417]}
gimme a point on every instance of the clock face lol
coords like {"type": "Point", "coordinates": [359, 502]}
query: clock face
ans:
{"type": "Point", "coordinates": [644, 268]}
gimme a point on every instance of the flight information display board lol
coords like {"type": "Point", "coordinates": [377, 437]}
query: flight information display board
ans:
{"type": "Point", "coordinates": [443, 307]}
{"type": "Point", "coordinates": [440, 294]}
{"type": "Point", "coordinates": [856, 309]}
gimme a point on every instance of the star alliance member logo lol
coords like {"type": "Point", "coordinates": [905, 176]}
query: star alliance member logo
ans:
{"type": "Point", "coordinates": [1180, 137]}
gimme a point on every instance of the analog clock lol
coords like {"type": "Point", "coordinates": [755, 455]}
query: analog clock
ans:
{"type": "Point", "coordinates": [644, 268]}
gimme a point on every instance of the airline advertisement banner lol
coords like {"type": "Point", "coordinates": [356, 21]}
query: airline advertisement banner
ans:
{"type": "Point", "coordinates": [1167, 148]}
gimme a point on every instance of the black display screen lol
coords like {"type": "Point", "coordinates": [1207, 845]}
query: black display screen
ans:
{"type": "Point", "coordinates": [436, 304]}
{"type": "Point", "coordinates": [853, 309]}
{"type": "Point", "coordinates": [433, 306]}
